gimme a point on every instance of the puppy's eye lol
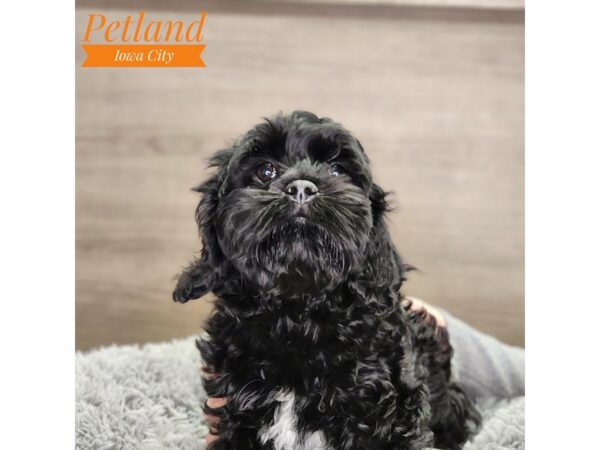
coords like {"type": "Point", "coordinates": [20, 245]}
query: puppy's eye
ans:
{"type": "Point", "coordinates": [266, 172]}
{"type": "Point", "coordinates": [336, 170]}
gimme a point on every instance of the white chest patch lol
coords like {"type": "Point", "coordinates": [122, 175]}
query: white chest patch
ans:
{"type": "Point", "coordinates": [283, 432]}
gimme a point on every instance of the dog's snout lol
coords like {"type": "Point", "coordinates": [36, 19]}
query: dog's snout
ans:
{"type": "Point", "coordinates": [301, 191]}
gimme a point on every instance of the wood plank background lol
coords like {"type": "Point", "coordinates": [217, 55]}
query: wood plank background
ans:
{"type": "Point", "coordinates": [484, 4]}
{"type": "Point", "coordinates": [435, 96]}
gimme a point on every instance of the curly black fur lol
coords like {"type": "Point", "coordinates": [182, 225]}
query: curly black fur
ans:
{"type": "Point", "coordinates": [309, 332]}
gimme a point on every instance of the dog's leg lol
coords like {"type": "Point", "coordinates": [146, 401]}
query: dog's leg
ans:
{"type": "Point", "coordinates": [375, 409]}
{"type": "Point", "coordinates": [237, 422]}
{"type": "Point", "coordinates": [195, 281]}
{"type": "Point", "coordinates": [454, 417]}
{"type": "Point", "coordinates": [239, 418]}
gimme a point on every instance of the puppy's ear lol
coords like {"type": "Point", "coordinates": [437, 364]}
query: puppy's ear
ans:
{"type": "Point", "coordinates": [384, 267]}
{"type": "Point", "coordinates": [207, 272]}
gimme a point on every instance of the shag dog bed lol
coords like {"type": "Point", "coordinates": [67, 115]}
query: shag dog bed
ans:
{"type": "Point", "coordinates": [150, 397]}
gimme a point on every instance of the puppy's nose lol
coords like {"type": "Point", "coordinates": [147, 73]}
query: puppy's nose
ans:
{"type": "Point", "coordinates": [301, 191]}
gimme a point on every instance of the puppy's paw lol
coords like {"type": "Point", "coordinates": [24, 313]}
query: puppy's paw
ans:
{"type": "Point", "coordinates": [188, 289]}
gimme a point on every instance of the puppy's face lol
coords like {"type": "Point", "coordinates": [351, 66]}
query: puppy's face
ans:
{"type": "Point", "coordinates": [293, 212]}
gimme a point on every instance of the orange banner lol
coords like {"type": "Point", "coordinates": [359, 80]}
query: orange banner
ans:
{"type": "Point", "coordinates": [143, 56]}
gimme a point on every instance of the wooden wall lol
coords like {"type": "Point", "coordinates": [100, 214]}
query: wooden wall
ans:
{"type": "Point", "coordinates": [435, 96]}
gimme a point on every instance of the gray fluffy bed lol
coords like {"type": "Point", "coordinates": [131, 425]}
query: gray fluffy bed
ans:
{"type": "Point", "coordinates": [150, 397]}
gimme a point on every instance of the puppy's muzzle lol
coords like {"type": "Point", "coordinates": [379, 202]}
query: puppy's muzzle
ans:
{"type": "Point", "coordinates": [301, 191]}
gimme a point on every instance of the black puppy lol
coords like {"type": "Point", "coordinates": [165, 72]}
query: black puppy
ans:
{"type": "Point", "coordinates": [309, 341]}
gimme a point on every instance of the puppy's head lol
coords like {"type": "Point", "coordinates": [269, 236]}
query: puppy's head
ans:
{"type": "Point", "coordinates": [292, 210]}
